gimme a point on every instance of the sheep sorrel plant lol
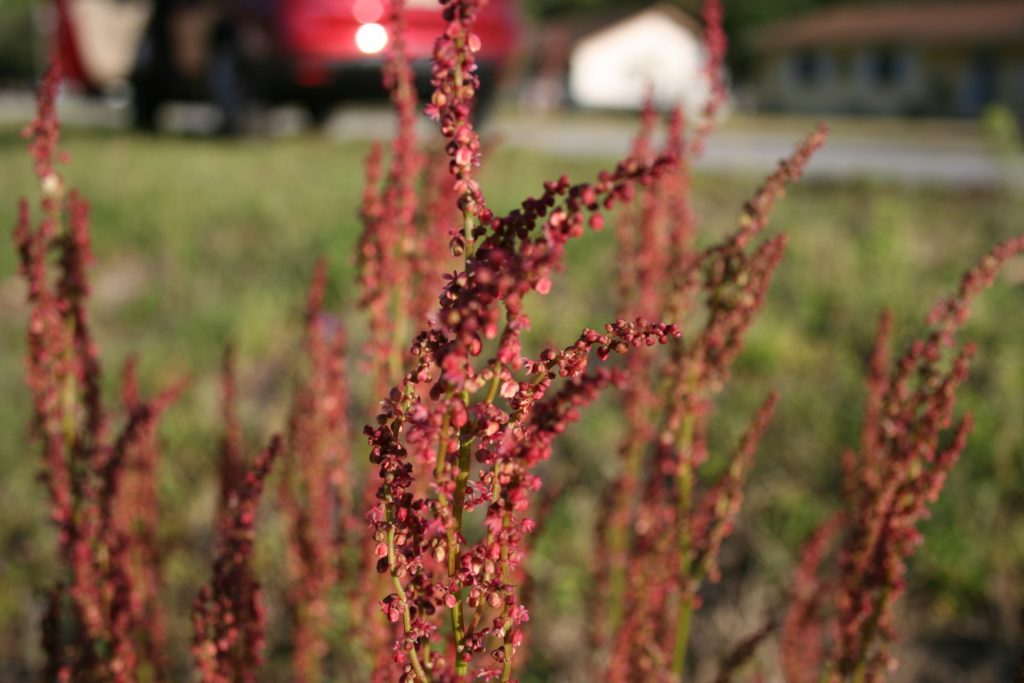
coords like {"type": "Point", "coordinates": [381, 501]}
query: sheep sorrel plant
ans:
{"type": "Point", "coordinates": [454, 601]}
{"type": "Point", "coordinates": [403, 254]}
{"type": "Point", "coordinates": [909, 443]}
{"type": "Point", "coordinates": [666, 543]}
{"type": "Point", "coordinates": [315, 492]}
{"type": "Point", "coordinates": [228, 615]}
{"type": "Point", "coordinates": [659, 536]}
{"type": "Point", "coordinates": [402, 240]}
{"type": "Point", "coordinates": [417, 572]}
{"type": "Point", "coordinates": [104, 618]}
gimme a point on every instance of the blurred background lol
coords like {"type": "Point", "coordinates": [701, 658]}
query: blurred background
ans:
{"type": "Point", "coordinates": [221, 145]}
{"type": "Point", "coordinates": [944, 78]}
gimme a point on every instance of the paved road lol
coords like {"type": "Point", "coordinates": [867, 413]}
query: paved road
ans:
{"type": "Point", "coordinates": [920, 161]}
{"type": "Point", "coordinates": [931, 159]}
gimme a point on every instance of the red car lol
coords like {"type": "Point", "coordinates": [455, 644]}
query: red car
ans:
{"type": "Point", "coordinates": [236, 52]}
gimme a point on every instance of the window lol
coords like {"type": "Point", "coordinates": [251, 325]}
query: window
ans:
{"type": "Point", "coordinates": [807, 68]}
{"type": "Point", "coordinates": [887, 66]}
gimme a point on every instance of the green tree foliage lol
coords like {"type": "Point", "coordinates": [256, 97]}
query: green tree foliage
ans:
{"type": "Point", "coordinates": [17, 46]}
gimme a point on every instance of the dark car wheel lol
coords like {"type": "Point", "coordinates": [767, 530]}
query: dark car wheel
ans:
{"type": "Point", "coordinates": [146, 106]}
{"type": "Point", "coordinates": [147, 93]}
{"type": "Point", "coordinates": [319, 110]}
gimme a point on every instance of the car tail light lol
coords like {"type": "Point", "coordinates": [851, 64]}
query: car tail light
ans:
{"type": "Point", "coordinates": [371, 38]}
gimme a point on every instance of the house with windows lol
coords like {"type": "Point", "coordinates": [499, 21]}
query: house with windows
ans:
{"type": "Point", "coordinates": [949, 58]}
{"type": "Point", "coordinates": [613, 60]}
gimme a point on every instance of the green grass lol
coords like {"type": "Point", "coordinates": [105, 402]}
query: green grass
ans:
{"type": "Point", "coordinates": [199, 243]}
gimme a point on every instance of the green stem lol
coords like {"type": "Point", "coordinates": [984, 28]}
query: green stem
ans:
{"type": "Point", "coordinates": [461, 481]}
{"type": "Point", "coordinates": [458, 504]}
{"type": "Point", "coordinates": [395, 361]}
{"type": "Point", "coordinates": [458, 507]}
{"type": "Point", "coordinates": [68, 399]}
{"type": "Point", "coordinates": [506, 669]}
{"type": "Point", "coordinates": [442, 446]}
{"type": "Point", "coordinates": [492, 393]}
{"type": "Point", "coordinates": [684, 445]}
{"type": "Point", "coordinates": [682, 638]}
{"type": "Point", "coordinates": [414, 657]}
{"type": "Point", "coordinates": [870, 630]}
{"type": "Point", "coordinates": [619, 536]}
{"type": "Point", "coordinates": [618, 539]}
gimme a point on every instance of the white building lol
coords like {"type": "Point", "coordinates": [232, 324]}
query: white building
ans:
{"type": "Point", "coordinates": [658, 49]}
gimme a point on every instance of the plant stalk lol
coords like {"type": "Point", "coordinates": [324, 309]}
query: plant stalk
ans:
{"type": "Point", "coordinates": [684, 446]}
{"type": "Point", "coordinates": [458, 507]}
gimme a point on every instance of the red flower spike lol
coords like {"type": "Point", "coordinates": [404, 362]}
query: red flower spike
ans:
{"type": "Point", "coordinates": [314, 491]}
{"type": "Point", "coordinates": [227, 615]}
{"type": "Point", "coordinates": [104, 619]}
{"type": "Point", "coordinates": [901, 469]}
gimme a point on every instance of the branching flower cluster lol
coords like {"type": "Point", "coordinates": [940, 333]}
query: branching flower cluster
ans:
{"type": "Point", "coordinates": [454, 598]}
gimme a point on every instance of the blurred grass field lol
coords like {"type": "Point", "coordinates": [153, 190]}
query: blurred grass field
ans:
{"type": "Point", "coordinates": [200, 242]}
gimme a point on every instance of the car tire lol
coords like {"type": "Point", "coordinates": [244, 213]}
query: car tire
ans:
{"type": "Point", "coordinates": [146, 107]}
{"type": "Point", "coordinates": [319, 110]}
{"type": "Point", "coordinates": [147, 94]}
